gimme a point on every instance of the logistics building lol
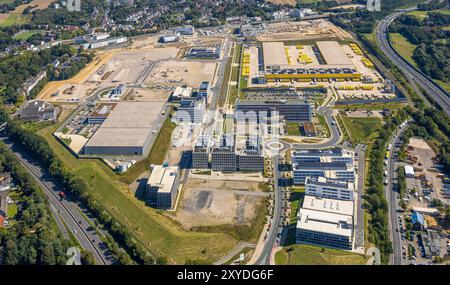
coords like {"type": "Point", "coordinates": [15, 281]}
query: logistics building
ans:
{"type": "Point", "coordinates": [333, 64]}
{"type": "Point", "coordinates": [129, 129]}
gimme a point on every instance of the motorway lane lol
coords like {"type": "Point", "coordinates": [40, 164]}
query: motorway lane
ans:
{"type": "Point", "coordinates": [271, 240]}
{"type": "Point", "coordinates": [413, 75]}
{"type": "Point", "coordinates": [392, 198]}
{"type": "Point", "coordinates": [66, 210]}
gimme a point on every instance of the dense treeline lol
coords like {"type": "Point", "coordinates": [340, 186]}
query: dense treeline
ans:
{"type": "Point", "coordinates": [375, 201]}
{"type": "Point", "coordinates": [432, 47]}
{"type": "Point", "coordinates": [433, 5]}
{"type": "Point", "coordinates": [33, 238]}
{"type": "Point", "coordinates": [16, 69]}
{"type": "Point", "coordinates": [79, 190]}
{"type": "Point", "coordinates": [6, 7]}
{"type": "Point", "coordinates": [364, 21]}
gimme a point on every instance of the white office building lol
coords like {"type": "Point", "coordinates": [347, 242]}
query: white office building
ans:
{"type": "Point", "coordinates": [326, 222]}
{"type": "Point", "coordinates": [329, 188]}
{"type": "Point", "coordinates": [162, 187]}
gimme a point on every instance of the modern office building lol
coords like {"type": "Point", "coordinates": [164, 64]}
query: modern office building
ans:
{"type": "Point", "coordinates": [204, 52]}
{"type": "Point", "coordinates": [249, 154]}
{"type": "Point", "coordinates": [105, 43]}
{"type": "Point", "coordinates": [191, 111]}
{"type": "Point", "coordinates": [162, 187]}
{"type": "Point", "coordinates": [181, 92]}
{"type": "Point", "coordinates": [32, 82]}
{"type": "Point", "coordinates": [326, 222]}
{"type": "Point", "coordinates": [337, 170]}
{"type": "Point", "coordinates": [329, 188]}
{"type": "Point", "coordinates": [200, 154]}
{"type": "Point", "coordinates": [318, 155]}
{"type": "Point", "coordinates": [291, 110]}
{"type": "Point", "coordinates": [224, 159]}
{"type": "Point", "coordinates": [203, 90]}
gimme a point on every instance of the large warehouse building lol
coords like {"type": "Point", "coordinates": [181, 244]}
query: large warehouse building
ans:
{"type": "Point", "coordinates": [128, 130]}
{"type": "Point", "coordinates": [336, 65]}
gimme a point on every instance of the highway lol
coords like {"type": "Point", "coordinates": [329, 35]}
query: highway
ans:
{"type": "Point", "coordinates": [275, 228]}
{"type": "Point", "coordinates": [392, 198]}
{"type": "Point", "coordinates": [63, 209]}
{"type": "Point", "coordinates": [413, 75]}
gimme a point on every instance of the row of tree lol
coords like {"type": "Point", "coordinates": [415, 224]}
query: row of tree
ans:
{"type": "Point", "coordinates": [79, 190]}
{"type": "Point", "coordinates": [33, 237]}
{"type": "Point", "coordinates": [375, 201]}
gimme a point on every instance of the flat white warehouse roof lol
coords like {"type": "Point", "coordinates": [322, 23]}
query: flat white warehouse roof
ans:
{"type": "Point", "coordinates": [130, 124]}
{"type": "Point", "coordinates": [274, 53]}
{"type": "Point", "coordinates": [332, 53]}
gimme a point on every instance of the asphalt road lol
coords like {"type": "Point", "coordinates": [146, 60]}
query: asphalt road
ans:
{"type": "Point", "coordinates": [359, 228]}
{"type": "Point", "coordinates": [65, 210]}
{"type": "Point", "coordinates": [392, 198]}
{"type": "Point", "coordinates": [275, 228]}
{"type": "Point", "coordinates": [413, 75]}
{"type": "Point", "coordinates": [335, 135]}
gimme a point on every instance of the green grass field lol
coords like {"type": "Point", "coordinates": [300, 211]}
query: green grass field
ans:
{"type": "Point", "coordinates": [403, 47]}
{"type": "Point", "coordinates": [293, 128]}
{"type": "Point", "coordinates": [423, 14]}
{"type": "Point", "coordinates": [301, 254]}
{"type": "Point", "coordinates": [362, 130]}
{"type": "Point", "coordinates": [154, 231]}
{"type": "Point", "coordinates": [373, 106]}
{"type": "Point", "coordinates": [22, 36]}
{"type": "Point", "coordinates": [12, 211]}
{"type": "Point", "coordinates": [15, 19]}
{"type": "Point", "coordinates": [156, 155]}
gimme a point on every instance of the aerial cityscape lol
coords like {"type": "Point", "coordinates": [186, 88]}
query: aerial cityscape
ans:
{"type": "Point", "coordinates": [224, 132]}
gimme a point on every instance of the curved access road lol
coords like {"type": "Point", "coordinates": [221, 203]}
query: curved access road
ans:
{"type": "Point", "coordinates": [414, 76]}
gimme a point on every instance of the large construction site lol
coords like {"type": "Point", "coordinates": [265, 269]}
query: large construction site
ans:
{"type": "Point", "coordinates": [123, 95]}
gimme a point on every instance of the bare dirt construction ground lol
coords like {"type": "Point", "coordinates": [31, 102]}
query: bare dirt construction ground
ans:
{"type": "Point", "coordinates": [108, 69]}
{"type": "Point", "coordinates": [290, 2]}
{"type": "Point", "coordinates": [365, 114]}
{"type": "Point", "coordinates": [174, 73]}
{"type": "Point", "coordinates": [218, 202]}
{"type": "Point", "coordinates": [304, 30]}
{"type": "Point", "coordinates": [147, 94]}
